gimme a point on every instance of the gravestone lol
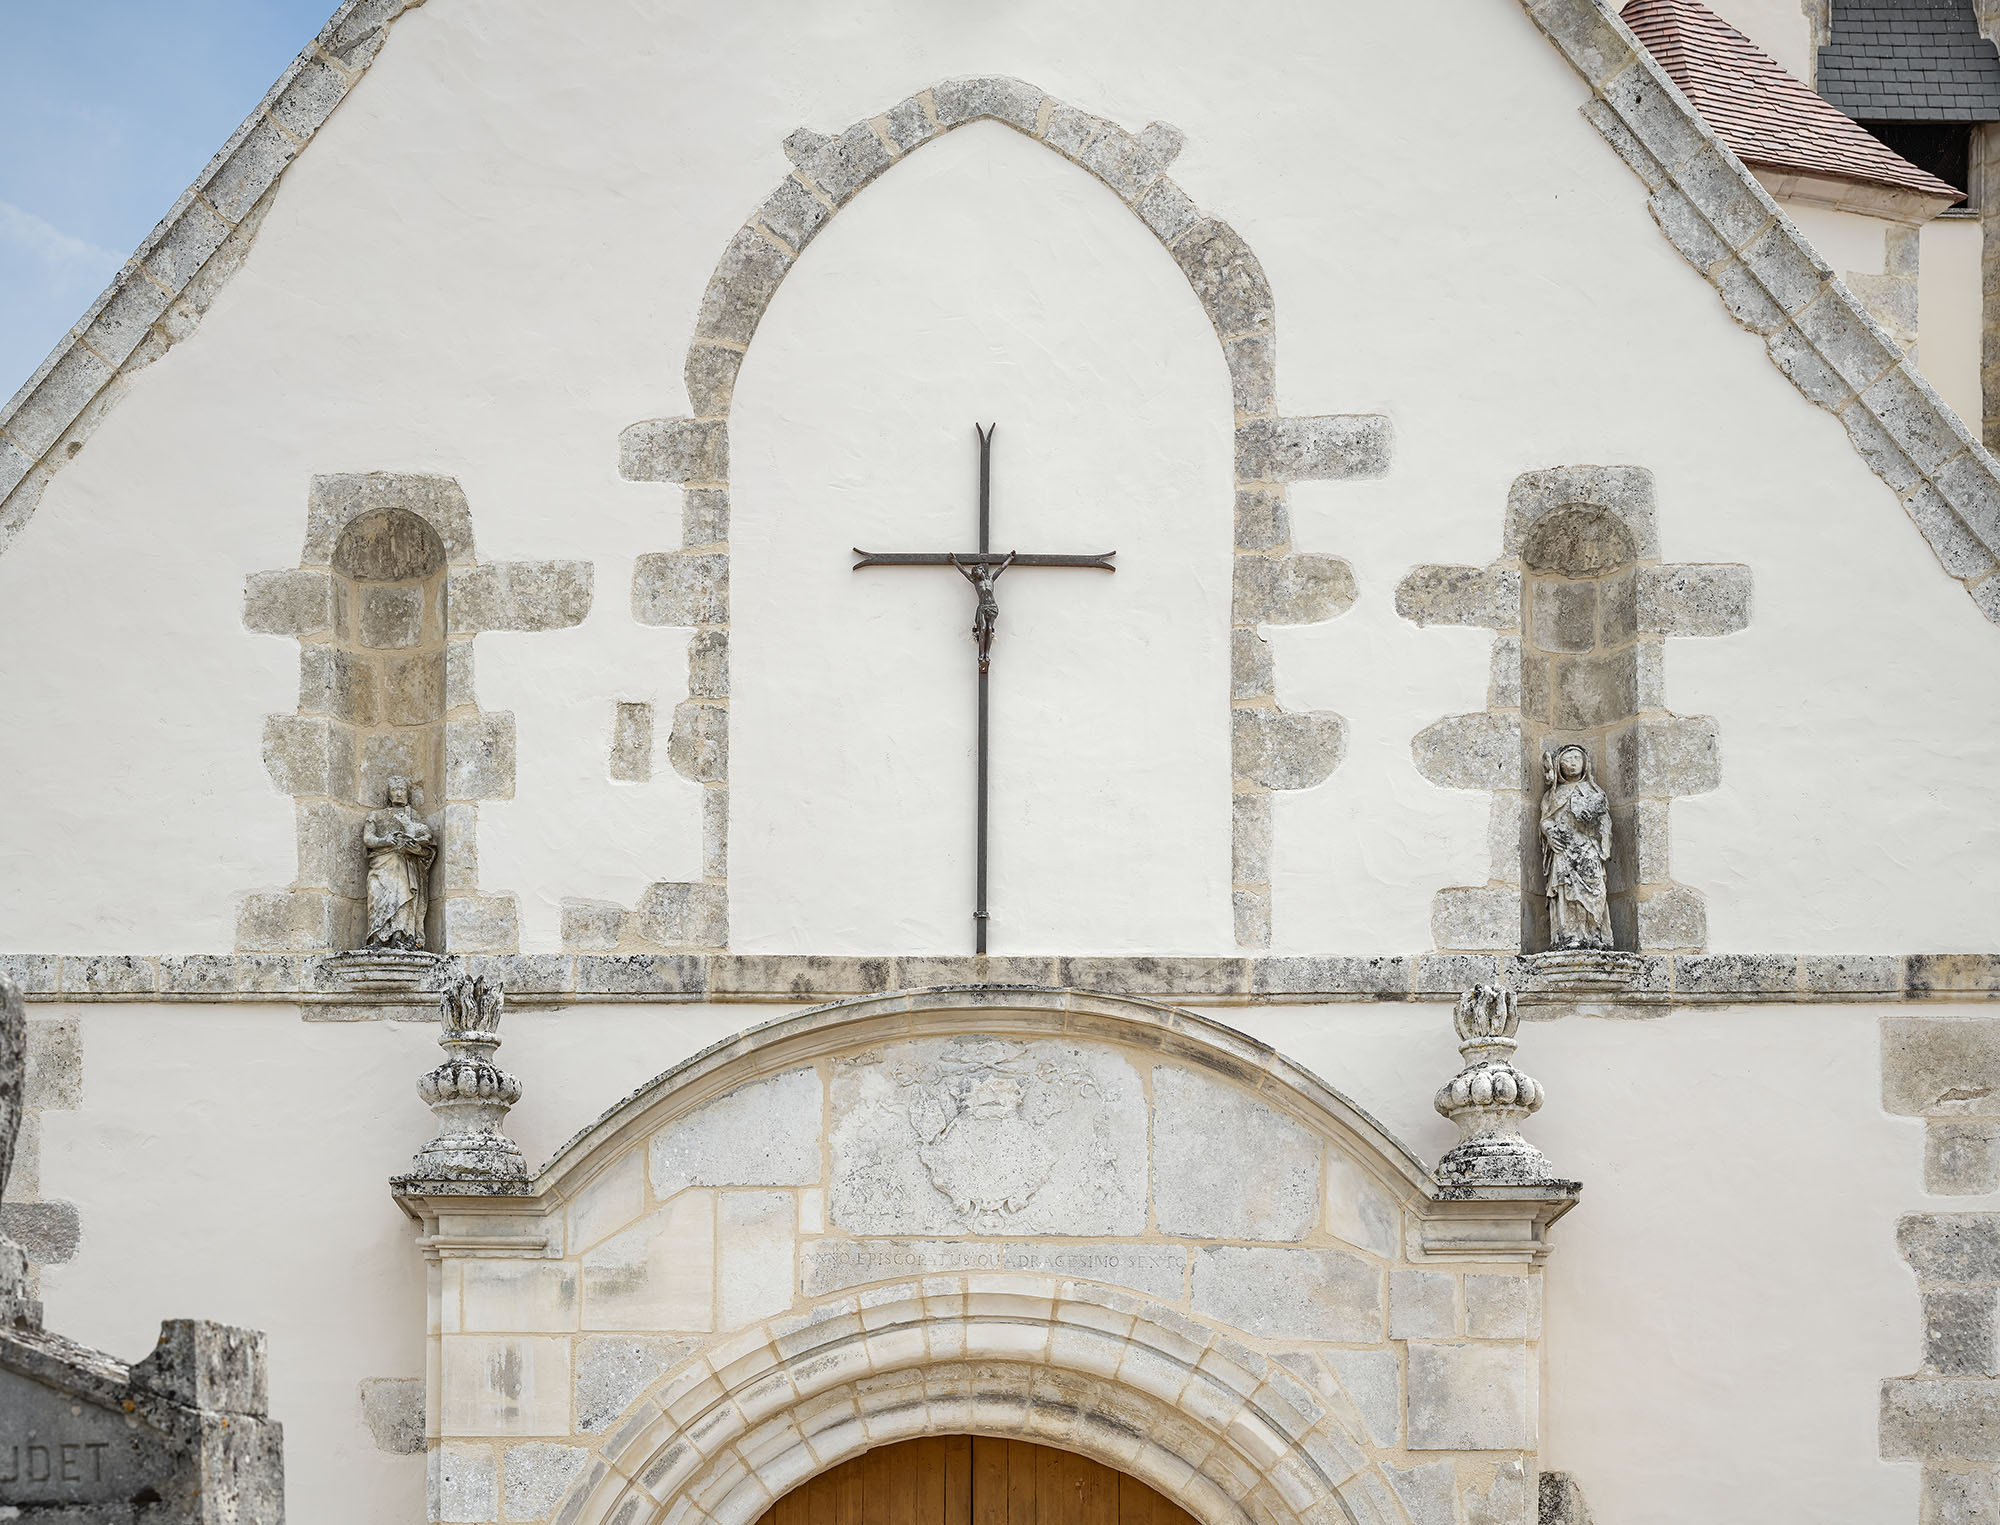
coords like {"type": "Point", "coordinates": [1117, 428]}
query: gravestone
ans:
{"type": "Point", "coordinates": [181, 1437]}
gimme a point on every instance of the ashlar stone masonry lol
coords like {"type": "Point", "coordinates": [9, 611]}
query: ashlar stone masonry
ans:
{"type": "Point", "coordinates": [1090, 1220]}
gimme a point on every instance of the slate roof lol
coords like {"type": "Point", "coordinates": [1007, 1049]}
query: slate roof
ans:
{"type": "Point", "coordinates": [1764, 114]}
{"type": "Point", "coordinates": [1910, 61]}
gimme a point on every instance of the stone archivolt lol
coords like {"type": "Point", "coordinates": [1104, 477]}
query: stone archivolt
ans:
{"type": "Point", "coordinates": [774, 1257]}
{"type": "Point", "coordinates": [1272, 749]}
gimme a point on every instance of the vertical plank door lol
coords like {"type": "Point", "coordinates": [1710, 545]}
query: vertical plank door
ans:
{"type": "Point", "coordinates": [967, 1480]}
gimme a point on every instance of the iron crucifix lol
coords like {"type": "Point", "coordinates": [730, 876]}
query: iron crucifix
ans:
{"type": "Point", "coordinates": [983, 570]}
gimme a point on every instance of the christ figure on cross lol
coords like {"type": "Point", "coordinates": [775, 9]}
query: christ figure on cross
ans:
{"type": "Point", "coordinates": [982, 569]}
{"type": "Point", "coordinates": [983, 575]}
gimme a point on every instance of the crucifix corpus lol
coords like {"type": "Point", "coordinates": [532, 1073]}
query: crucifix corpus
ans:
{"type": "Point", "coordinates": [983, 569]}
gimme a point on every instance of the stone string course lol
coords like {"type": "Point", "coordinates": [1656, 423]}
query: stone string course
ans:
{"type": "Point", "coordinates": [1816, 332]}
{"type": "Point", "coordinates": [563, 979]}
{"type": "Point", "coordinates": [1271, 749]}
{"type": "Point", "coordinates": [1662, 757]}
{"type": "Point", "coordinates": [161, 293]}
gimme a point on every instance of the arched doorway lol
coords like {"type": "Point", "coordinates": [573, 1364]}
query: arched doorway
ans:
{"type": "Point", "coordinates": [973, 1480]}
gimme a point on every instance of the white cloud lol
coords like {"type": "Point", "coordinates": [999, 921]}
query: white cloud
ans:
{"type": "Point", "coordinates": [58, 250]}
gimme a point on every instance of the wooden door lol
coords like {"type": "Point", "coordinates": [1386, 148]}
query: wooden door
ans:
{"type": "Point", "coordinates": [973, 1480]}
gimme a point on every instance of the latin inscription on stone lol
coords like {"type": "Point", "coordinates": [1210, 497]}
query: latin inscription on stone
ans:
{"type": "Point", "coordinates": [988, 1135]}
{"type": "Point", "coordinates": [59, 1449]}
{"type": "Point", "coordinates": [832, 1265]}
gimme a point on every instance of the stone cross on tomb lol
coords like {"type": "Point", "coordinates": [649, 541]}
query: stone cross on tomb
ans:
{"type": "Point", "coordinates": [983, 569]}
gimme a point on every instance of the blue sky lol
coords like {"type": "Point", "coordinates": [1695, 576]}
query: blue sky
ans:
{"type": "Point", "coordinates": [110, 108]}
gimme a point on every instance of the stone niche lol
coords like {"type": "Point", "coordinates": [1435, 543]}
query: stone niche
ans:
{"type": "Point", "coordinates": [386, 670]}
{"type": "Point", "coordinates": [1580, 683]}
{"type": "Point", "coordinates": [1104, 1224]}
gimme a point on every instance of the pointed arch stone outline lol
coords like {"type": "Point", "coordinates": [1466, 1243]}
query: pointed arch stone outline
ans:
{"type": "Point", "coordinates": [1220, 1418]}
{"type": "Point", "coordinates": [1271, 749]}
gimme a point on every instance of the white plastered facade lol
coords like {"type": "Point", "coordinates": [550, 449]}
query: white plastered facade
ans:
{"type": "Point", "coordinates": [489, 263]}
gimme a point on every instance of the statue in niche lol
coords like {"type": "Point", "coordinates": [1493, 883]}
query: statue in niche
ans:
{"type": "Point", "coordinates": [1576, 844]}
{"type": "Point", "coordinates": [401, 849]}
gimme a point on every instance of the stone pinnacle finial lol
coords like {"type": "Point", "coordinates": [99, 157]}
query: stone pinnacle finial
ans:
{"type": "Point", "coordinates": [1489, 1097]}
{"type": "Point", "coordinates": [469, 1093]}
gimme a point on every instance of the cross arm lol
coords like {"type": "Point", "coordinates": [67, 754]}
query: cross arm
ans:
{"type": "Point", "coordinates": [1101, 561]}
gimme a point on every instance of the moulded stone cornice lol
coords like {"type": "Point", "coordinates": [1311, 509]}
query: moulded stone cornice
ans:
{"type": "Point", "coordinates": [604, 979]}
{"type": "Point", "coordinates": [1713, 210]}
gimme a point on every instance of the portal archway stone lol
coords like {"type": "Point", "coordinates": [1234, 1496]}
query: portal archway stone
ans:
{"type": "Point", "coordinates": [953, 1210]}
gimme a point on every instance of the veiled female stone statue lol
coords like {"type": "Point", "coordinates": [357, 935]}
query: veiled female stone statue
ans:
{"type": "Point", "coordinates": [401, 849]}
{"type": "Point", "coordinates": [1576, 844]}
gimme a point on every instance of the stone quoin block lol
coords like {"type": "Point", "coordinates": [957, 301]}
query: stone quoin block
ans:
{"type": "Point", "coordinates": [1941, 1066]}
{"type": "Point", "coordinates": [1959, 1498]}
{"type": "Point", "coordinates": [1471, 752]}
{"type": "Point", "coordinates": [1281, 750]}
{"type": "Point", "coordinates": [393, 1410]}
{"type": "Point", "coordinates": [308, 755]}
{"type": "Point", "coordinates": [520, 595]}
{"type": "Point", "coordinates": [479, 757]}
{"type": "Point", "coordinates": [698, 743]}
{"type": "Point", "coordinates": [1673, 920]}
{"type": "Point", "coordinates": [49, 1232]}
{"type": "Point", "coordinates": [675, 450]}
{"type": "Point", "coordinates": [745, 278]}
{"type": "Point", "coordinates": [631, 741]}
{"type": "Point", "coordinates": [1949, 1419]}
{"type": "Point", "coordinates": [1951, 1249]}
{"type": "Point", "coordinates": [1693, 600]}
{"type": "Point", "coordinates": [714, 832]}
{"type": "Point", "coordinates": [1673, 756]}
{"type": "Point", "coordinates": [1468, 1398]}
{"type": "Point", "coordinates": [1446, 595]}
{"type": "Point", "coordinates": [281, 921]}
{"type": "Point", "coordinates": [1300, 589]}
{"type": "Point", "coordinates": [681, 588]}
{"type": "Point", "coordinates": [1334, 447]}
{"type": "Point", "coordinates": [1961, 1159]}
{"type": "Point", "coordinates": [681, 915]}
{"type": "Point", "coordinates": [481, 924]}
{"type": "Point", "coordinates": [1476, 918]}
{"type": "Point", "coordinates": [288, 603]}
